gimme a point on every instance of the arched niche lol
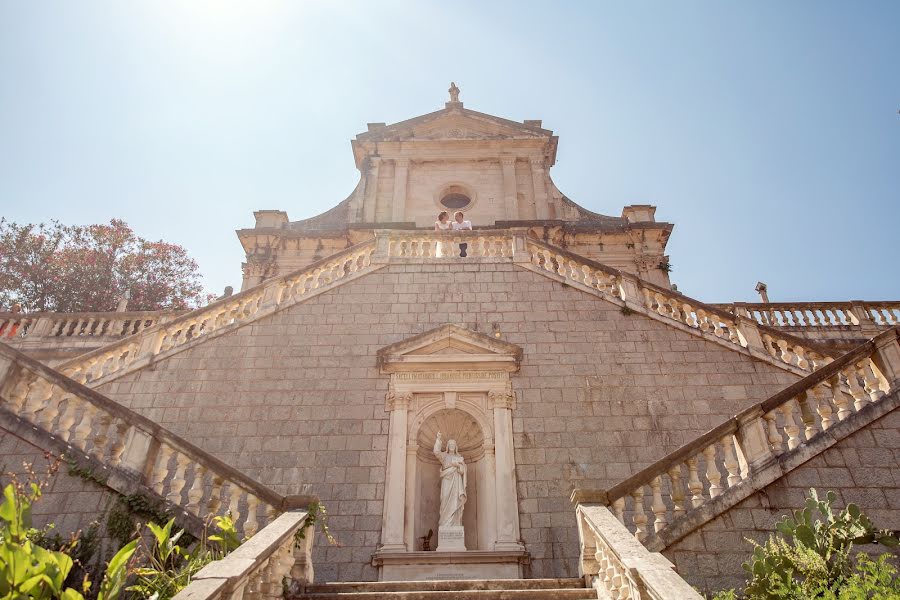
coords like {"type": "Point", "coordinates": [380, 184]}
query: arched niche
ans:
{"type": "Point", "coordinates": [458, 425]}
{"type": "Point", "coordinates": [456, 381]}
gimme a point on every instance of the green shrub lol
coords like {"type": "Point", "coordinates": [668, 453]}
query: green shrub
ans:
{"type": "Point", "coordinates": [29, 571]}
{"type": "Point", "coordinates": [170, 567]}
{"type": "Point", "coordinates": [809, 556]}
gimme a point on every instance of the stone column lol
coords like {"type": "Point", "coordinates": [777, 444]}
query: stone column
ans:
{"type": "Point", "coordinates": [401, 169]}
{"type": "Point", "coordinates": [505, 467]}
{"type": "Point", "coordinates": [392, 539]}
{"type": "Point", "coordinates": [541, 205]}
{"type": "Point", "coordinates": [409, 519]}
{"type": "Point", "coordinates": [508, 166]}
{"type": "Point", "coordinates": [487, 500]}
{"type": "Point", "coordinates": [371, 192]}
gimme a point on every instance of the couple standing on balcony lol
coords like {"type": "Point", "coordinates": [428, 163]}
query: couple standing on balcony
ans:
{"type": "Point", "coordinates": [444, 224]}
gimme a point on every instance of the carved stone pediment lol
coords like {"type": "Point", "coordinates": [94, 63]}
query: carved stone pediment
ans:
{"type": "Point", "coordinates": [450, 348]}
{"type": "Point", "coordinates": [461, 124]}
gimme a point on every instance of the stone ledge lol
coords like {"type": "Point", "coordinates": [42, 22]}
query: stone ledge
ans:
{"type": "Point", "coordinates": [479, 564]}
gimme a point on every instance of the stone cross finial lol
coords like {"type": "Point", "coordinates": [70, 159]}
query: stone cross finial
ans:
{"type": "Point", "coordinates": [454, 92]}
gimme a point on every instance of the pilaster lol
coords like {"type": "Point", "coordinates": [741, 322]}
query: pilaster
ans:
{"type": "Point", "coordinates": [540, 188]}
{"type": "Point", "coordinates": [401, 171]}
{"type": "Point", "coordinates": [505, 468]}
{"type": "Point", "coordinates": [392, 538]}
{"type": "Point", "coordinates": [508, 166]}
{"type": "Point", "coordinates": [371, 190]}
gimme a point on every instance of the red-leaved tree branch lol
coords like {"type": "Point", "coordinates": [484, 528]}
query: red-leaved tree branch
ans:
{"type": "Point", "coordinates": [66, 268]}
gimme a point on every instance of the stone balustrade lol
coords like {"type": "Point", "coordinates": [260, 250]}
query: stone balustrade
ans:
{"type": "Point", "coordinates": [140, 453]}
{"type": "Point", "coordinates": [850, 314]}
{"type": "Point", "coordinates": [132, 352]}
{"type": "Point", "coordinates": [221, 316]}
{"type": "Point", "coordinates": [80, 325]}
{"type": "Point", "coordinates": [698, 472]}
{"type": "Point", "coordinates": [618, 566]}
{"type": "Point", "coordinates": [446, 244]}
{"type": "Point", "coordinates": [637, 293]}
{"type": "Point", "coordinates": [262, 567]}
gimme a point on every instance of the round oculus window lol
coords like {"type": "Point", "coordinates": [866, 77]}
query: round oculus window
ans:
{"type": "Point", "coordinates": [455, 200]}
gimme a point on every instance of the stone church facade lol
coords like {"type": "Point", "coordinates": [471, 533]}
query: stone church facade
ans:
{"type": "Point", "coordinates": [556, 353]}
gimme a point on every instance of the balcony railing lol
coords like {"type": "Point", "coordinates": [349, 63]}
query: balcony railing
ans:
{"type": "Point", "coordinates": [83, 326]}
{"type": "Point", "coordinates": [855, 314]}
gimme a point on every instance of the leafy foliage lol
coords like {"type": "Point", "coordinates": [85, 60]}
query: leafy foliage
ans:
{"type": "Point", "coordinates": [170, 567]}
{"type": "Point", "coordinates": [810, 557]}
{"type": "Point", "coordinates": [29, 571]}
{"type": "Point", "coordinates": [69, 268]}
{"type": "Point", "coordinates": [316, 514]}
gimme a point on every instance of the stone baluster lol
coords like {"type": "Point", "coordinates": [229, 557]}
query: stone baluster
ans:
{"type": "Point", "coordinates": [114, 456]}
{"type": "Point", "coordinates": [619, 509]}
{"type": "Point", "coordinates": [702, 320]}
{"type": "Point", "coordinates": [800, 352]}
{"type": "Point", "coordinates": [67, 418]}
{"type": "Point", "coordinates": [658, 506]}
{"type": "Point", "coordinates": [179, 478]}
{"type": "Point", "coordinates": [784, 352]}
{"type": "Point", "coordinates": [689, 315]}
{"type": "Point", "coordinates": [251, 525]}
{"type": "Point", "coordinates": [822, 406]}
{"type": "Point", "coordinates": [19, 393]}
{"type": "Point", "coordinates": [712, 471]}
{"type": "Point", "coordinates": [871, 381]}
{"type": "Point", "coordinates": [161, 469]}
{"type": "Point", "coordinates": [860, 399]}
{"type": "Point", "coordinates": [718, 330]}
{"type": "Point", "coordinates": [84, 426]}
{"type": "Point", "coordinates": [101, 436]}
{"type": "Point", "coordinates": [215, 494]}
{"type": "Point", "coordinates": [234, 498]}
{"type": "Point", "coordinates": [195, 492]}
{"type": "Point", "coordinates": [639, 516]}
{"type": "Point", "coordinates": [790, 426]}
{"type": "Point", "coordinates": [839, 398]}
{"type": "Point", "coordinates": [694, 485]}
{"type": "Point", "coordinates": [49, 406]}
{"type": "Point", "coordinates": [806, 416]}
{"type": "Point", "coordinates": [776, 441]}
{"type": "Point", "coordinates": [677, 492]}
{"type": "Point", "coordinates": [730, 461]}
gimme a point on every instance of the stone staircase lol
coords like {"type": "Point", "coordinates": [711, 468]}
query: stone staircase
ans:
{"type": "Point", "coordinates": [708, 476]}
{"type": "Point", "coordinates": [476, 589]}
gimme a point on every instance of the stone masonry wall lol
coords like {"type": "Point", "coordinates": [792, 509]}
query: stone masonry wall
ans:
{"type": "Point", "coordinates": [861, 469]}
{"type": "Point", "coordinates": [72, 503]}
{"type": "Point", "coordinates": [295, 400]}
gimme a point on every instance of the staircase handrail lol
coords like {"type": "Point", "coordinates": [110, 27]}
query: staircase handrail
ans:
{"type": "Point", "coordinates": [259, 567]}
{"type": "Point", "coordinates": [240, 308]}
{"type": "Point", "coordinates": [618, 566]}
{"type": "Point", "coordinates": [757, 435]}
{"type": "Point", "coordinates": [125, 441]}
{"type": "Point", "coordinates": [741, 331]}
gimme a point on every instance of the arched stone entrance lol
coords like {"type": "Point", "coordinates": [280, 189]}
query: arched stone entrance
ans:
{"type": "Point", "coordinates": [455, 381]}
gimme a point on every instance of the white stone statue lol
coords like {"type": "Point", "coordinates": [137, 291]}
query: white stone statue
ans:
{"type": "Point", "coordinates": [453, 483]}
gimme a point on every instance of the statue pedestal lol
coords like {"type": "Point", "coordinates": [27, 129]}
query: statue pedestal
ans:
{"type": "Point", "coordinates": [451, 539]}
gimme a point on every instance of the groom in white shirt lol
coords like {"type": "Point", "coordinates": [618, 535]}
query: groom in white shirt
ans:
{"type": "Point", "coordinates": [459, 224]}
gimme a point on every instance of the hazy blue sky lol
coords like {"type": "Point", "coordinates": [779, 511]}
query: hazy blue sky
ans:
{"type": "Point", "coordinates": [768, 132]}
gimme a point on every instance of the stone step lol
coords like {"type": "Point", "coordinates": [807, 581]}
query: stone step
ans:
{"type": "Point", "coordinates": [514, 594]}
{"type": "Point", "coordinates": [444, 585]}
